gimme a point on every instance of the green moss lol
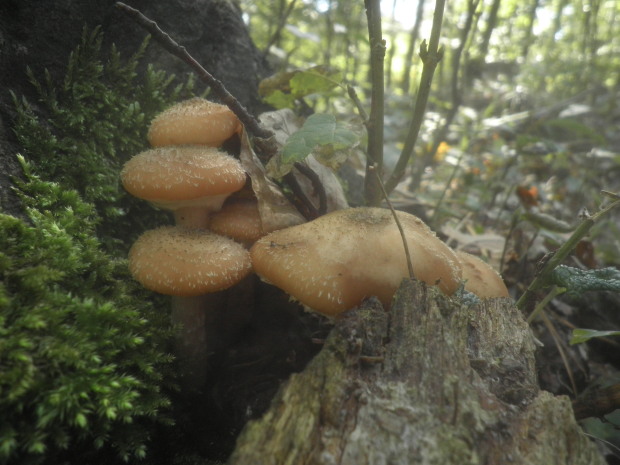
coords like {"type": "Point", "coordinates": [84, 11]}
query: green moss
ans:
{"type": "Point", "coordinates": [84, 360]}
{"type": "Point", "coordinates": [82, 130]}
{"type": "Point", "coordinates": [82, 351]}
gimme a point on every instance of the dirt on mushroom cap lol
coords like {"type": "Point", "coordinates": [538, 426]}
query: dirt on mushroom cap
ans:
{"type": "Point", "coordinates": [332, 263]}
{"type": "Point", "coordinates": [193, 121]}
{"type": "Point", "coordinates": [187, 262]}
{"type": "Point", "coordinates": [480, 278]}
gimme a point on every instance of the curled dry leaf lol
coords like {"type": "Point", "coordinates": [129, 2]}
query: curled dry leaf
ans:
{"type": "Point", "coordinates": [275, 210]}
{"type": "Point", "coordinates": [336, 199]}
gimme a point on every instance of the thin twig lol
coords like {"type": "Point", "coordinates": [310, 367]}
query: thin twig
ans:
{"type": "Point", "coordinates": [556, 338]}
{"type": "Point", "coordinates": [275, 37]}
{"type": "Point", "coordinates": [250, 123]}
{"type": "Point", "coordinates": [542, 277]}
{"type": "Point", "coordinates": [455, 104]}
{"type": "Point", "coordinates": [431, 56]}
{"type": "Point", "coordinates": [316, 184]}
{"type": "Point", "coordinates": [398, 225]}
{"type": "Point", "coordinates": [374, 160]}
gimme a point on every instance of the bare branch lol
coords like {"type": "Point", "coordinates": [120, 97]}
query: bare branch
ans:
{"type": "Point", "coordinates": [250, 123]}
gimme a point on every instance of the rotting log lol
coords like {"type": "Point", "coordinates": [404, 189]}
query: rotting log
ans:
{"type": "Point", "coordinates": [434, 381]}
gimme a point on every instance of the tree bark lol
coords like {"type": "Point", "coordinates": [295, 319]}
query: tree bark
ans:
{"type": "Point", "coordinates": [433, 381]}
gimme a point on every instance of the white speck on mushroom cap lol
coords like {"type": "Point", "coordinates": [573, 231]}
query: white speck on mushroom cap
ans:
{"type": "Point", "coordinates": [332, 263]}
{"type": "Point", "coordinates": [480, 278]}
{"type": "Point", "coordinates": [175, 177]}
{"type": "Point", "coordinates": [187, 262]}
{"type": "Point", "coordinates": [193, 121]}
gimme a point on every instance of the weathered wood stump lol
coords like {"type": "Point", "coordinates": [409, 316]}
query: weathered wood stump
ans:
{"type": "Point", "coordinates": [433, 381]}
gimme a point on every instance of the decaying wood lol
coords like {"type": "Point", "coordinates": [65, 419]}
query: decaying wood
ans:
{"type": "Point", "coordinates": [433, 381]}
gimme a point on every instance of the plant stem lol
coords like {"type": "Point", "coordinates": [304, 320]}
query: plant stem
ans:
{"type": "Point", "coordinates": [559, 255]}
{"type": "Point", "coordinates": [374, 159]}
{"type": "Point", "coordinates": [430, 56]}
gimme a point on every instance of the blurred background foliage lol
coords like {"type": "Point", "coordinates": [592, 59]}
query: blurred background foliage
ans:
{"type": "Point", "coordinates": [525, 96]}
{"type": "Point", "coordinates": [520, 137]}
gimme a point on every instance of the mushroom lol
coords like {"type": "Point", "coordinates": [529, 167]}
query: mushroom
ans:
{"type": "Point", "coordinates": [238, 219]}
{"type": "Point", "coordinates": [333, 263]}
{"type": "Point", "coordinates": [188, 264]}
{"type": "Point", "coordinates": [193, 121]}
{"type": "Point", "coordinates": [192, 181]}
{"type": "Point", "coordinates": [480, 278]}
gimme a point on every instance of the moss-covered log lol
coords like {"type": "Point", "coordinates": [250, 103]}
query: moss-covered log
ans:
{"type": "Point", "coordinates": [433, 381]}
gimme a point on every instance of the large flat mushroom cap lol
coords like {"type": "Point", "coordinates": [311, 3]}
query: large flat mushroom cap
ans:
{"type": "Point", "coordinates": [172, 175]}
{"type": "Point", "coordinates": [334, 262]}
{"type": "Point", "coordinates": [193, 121]}
{"type": "Point", "coordinates": [187, 262]}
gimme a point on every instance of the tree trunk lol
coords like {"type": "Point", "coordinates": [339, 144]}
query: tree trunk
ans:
{"type": "Point", "coordinates": [434, 381]}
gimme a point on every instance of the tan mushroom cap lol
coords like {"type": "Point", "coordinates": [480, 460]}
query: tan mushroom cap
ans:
{"type": "Point", "coordinates": [334, 262]}
{"type": "Point", "coordinates": [187, 262]}
{"type": "Point", "coordinates": [239, 219]}
{"type": "Point", "coordinates": [193, 121]}
{"type": "Point", "coordinates": [186, 176]}
{"type": "Point", "coordinates": [480, 278]}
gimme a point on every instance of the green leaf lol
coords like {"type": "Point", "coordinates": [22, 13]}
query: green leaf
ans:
{"type": "Point", "coordinates": [282, 89]}
{"type": "Point", "coordinates": [279, 100]}
{"type": "Point", "coordinates": [319, 130]}
{"type": "Point", "coordinates": [314, 81]}
{"type": "Point", "coordinates": [578, 281]}
{"type": "Point", "coordinates": [581, 335]}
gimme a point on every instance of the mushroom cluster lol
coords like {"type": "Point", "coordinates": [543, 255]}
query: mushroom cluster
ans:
{"type": "Point", "coordinates": [187, 173]}
{"type": "Point", "coordinates": [330, 264]}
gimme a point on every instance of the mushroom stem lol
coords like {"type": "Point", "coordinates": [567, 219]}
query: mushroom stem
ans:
{"type": "Point", "coordinates": [188, 315]}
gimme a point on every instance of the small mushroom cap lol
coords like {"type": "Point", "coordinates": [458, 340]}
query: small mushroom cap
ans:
{"type": "Point", "coordinates": [239, 219]}
{"type": "Point", "coordinates": [187, 262]}
{"type": "Point", "coordinates": [480, 278]}
{"type": "Point", "coordinates": [186, 176]}
{"type": "Point", "coordinates": [334, 262]}
{"type": "Point", "coordinates": [193, 121]}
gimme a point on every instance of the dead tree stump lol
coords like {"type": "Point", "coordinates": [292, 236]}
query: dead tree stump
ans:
{"type": "Point", "coordinates": [433, 381]}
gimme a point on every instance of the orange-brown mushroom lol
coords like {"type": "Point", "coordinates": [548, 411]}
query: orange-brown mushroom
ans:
{"type": "Point", "coordinates": [333, 263]}
{"type": "Point", "coordinates": [188, 264]}
{"type": "Point", "coordinates": [193, 121]}
{"type": "Point", "coordinates": [238, 219]}
{"type": "Point", "coordinates": [192, 181]}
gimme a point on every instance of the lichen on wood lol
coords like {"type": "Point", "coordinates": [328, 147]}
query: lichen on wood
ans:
{"type": "Point", "coordinates": [432, 381]}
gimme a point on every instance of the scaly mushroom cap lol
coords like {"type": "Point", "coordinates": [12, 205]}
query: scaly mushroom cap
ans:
{"type": "Point", "coordinates": [187, 176]}
{"type": "Point", "coordinates": [187, 262]}
{"type": "Point", "coordinates": [193, 121]}
{"type": "Point", "coordinates": [334, 262]}
{"type": "Point", "coordinates": [480, 278]}
{"type": "Point", "coordinates": [239, 219]}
